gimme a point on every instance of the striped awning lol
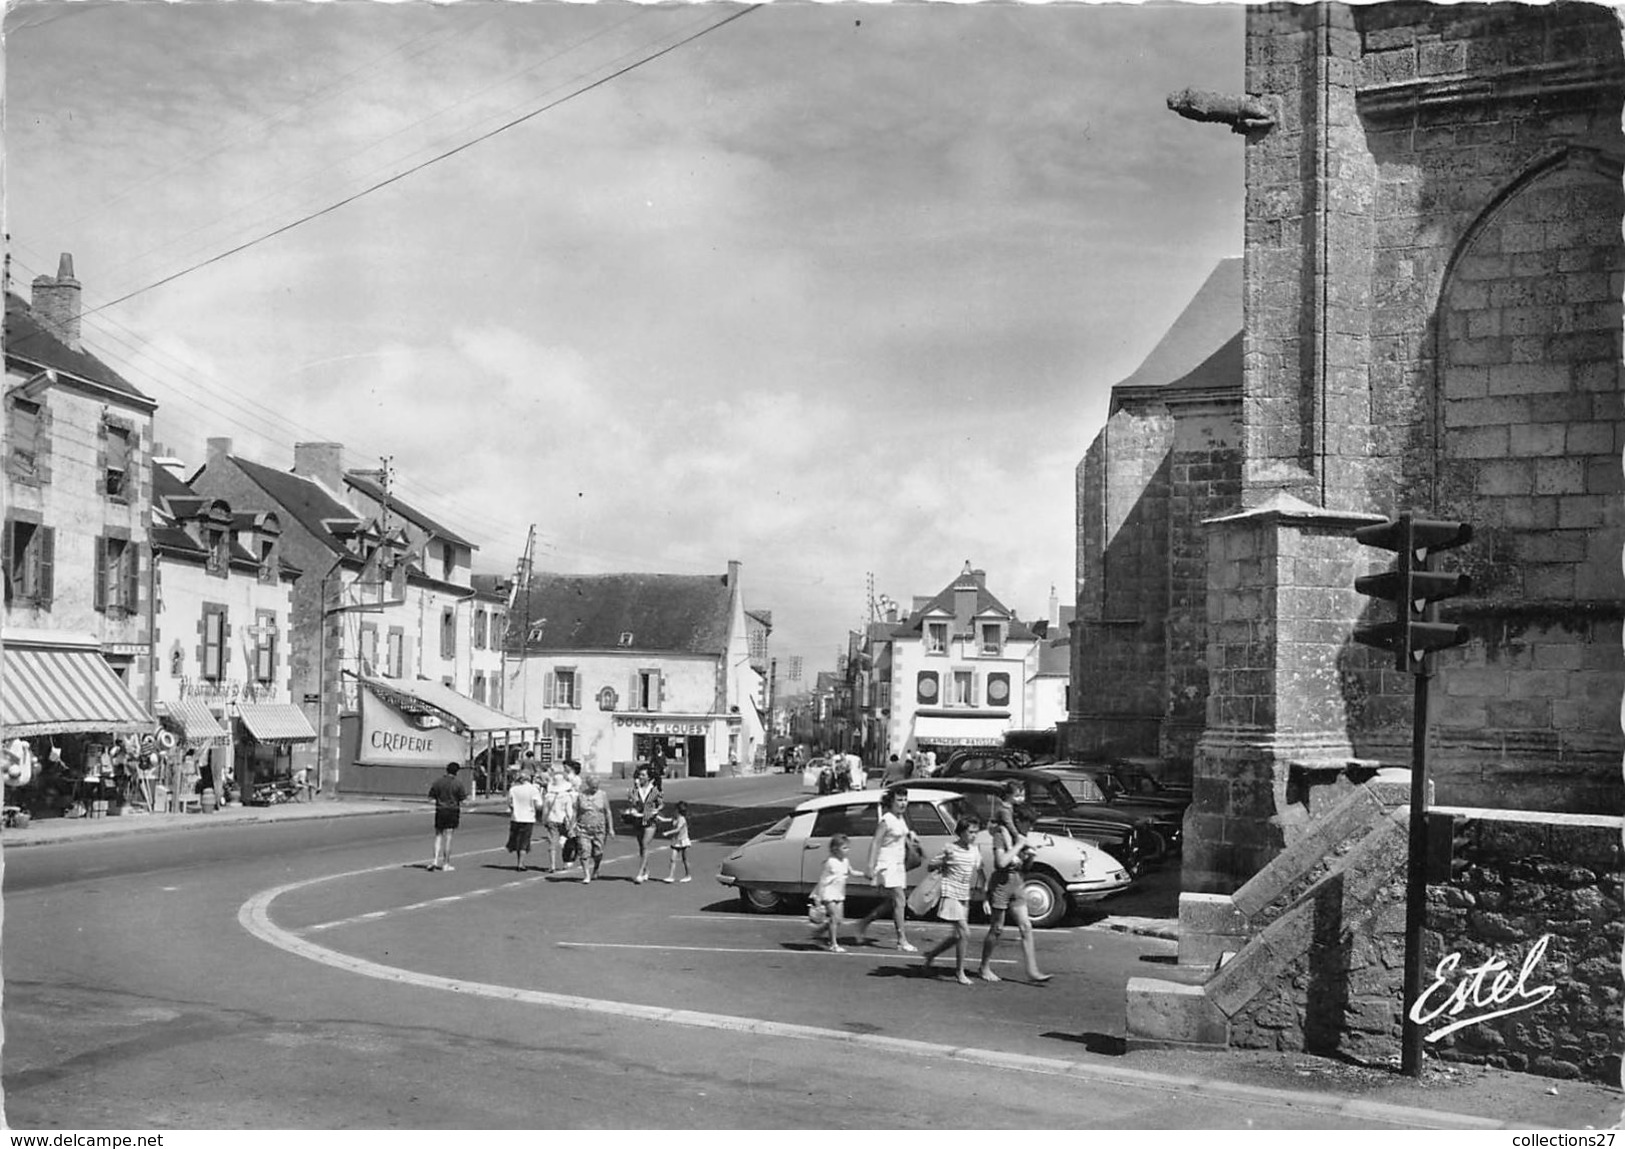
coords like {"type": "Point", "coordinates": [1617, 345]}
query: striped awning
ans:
{"type": "Point", "coordinates": [65, 691]}
{"type": "Point", "coordinates": [196, 723]}
{"type": "Point", "coordinates": [276, 722]}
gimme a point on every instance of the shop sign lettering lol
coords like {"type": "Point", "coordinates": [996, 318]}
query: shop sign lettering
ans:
{"type": "Point", "coordinates": [411, 743]}
{"type": "Point", "coordinates": [1482, 992]}
{"type": "Point", "coordinates": [658, 726]}
{"type": "Point", "coordinates": [225, 690]}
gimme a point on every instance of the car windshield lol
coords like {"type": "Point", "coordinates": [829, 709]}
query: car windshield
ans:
{"type": "Point", "coordinates": [1082, 788]}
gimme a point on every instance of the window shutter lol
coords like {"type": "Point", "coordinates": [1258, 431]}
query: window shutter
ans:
{"type": "Point", "coordinates": [132, 576]}
{"type": "Point", "coordinates": [101, 574]}
{"type": "Point", "coordinates": [549, 688]}
{"type": "Point", "coordinates": [6, 557]}
{"type": "Point", "coordinates": [634, 700]}
{"type": "Point", "coordinates": [575, 698]}
{"type": "Point", "coordinates": [973, 691]}
{"type": "Point", "coordinates": [660, 690]}
{"type": "Point", "coordinates": [47, 564]}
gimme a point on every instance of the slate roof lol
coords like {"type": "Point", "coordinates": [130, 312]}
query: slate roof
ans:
{"type": "Point", "coordinates": [27, 340]}
{"type": "Point", "coordinates": [169, 491]}
{"type": "Point", "coordinates": [1055, 656]}
{"type": "Point", "coordinates": [304, 499]}
{"type": "Point", "coordinates": [684, 614]}
{"type": "Point", "coordinates": [375, 492]}
{"type": "Point", "coordinates": [986, 603]}
{"type": "Point", "coordinates": [1206, 329]}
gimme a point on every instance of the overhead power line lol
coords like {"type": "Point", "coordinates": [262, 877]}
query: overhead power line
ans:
{"type": "Point", "coordinates": [513, 123]}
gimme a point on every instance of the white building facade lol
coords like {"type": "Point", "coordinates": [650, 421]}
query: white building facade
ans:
{"type": "Point", "coordinates": [613, 666]}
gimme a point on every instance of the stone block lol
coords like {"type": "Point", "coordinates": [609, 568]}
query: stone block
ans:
{"type": "Point", "coordinates": [1211, 913]}
{"type": "Point", "coordinates": [1160, 1010]}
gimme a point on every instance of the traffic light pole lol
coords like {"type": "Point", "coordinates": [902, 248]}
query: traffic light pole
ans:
{"type": "Point", "coordinates": [1412, 637]}
{"type": "Point", "coordinates": [1416, 884]}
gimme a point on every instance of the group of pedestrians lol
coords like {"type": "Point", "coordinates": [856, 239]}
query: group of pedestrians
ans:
{"type": "Point", "coordinates": [963, 875]}
{"type": "Point", "coordinates": [576, 816]}
{"type": "Point", "coordinates": [577, 813]}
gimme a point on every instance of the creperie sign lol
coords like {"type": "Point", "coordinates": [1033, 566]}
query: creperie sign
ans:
{"type": "Point", "coordinates": [389, 738]}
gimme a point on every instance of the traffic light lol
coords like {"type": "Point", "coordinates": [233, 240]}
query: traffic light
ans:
{"type": "Point", "coordinates": [1413, 588]}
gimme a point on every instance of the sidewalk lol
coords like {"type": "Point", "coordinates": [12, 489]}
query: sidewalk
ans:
{"type": "Point", "coordinates": [51, 831]}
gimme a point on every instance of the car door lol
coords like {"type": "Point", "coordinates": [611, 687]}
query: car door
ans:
{"type": "Point", "coordinates": [857, 820]}
{"type": "Point", "coordinates": [773, 860]}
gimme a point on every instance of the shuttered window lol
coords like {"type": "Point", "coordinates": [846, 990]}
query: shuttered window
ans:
{"type": "Point", "coordinates": [30, 563]}
{"type": "Point", "coordinates": [214, 643]}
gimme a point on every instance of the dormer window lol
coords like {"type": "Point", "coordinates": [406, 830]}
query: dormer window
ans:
{"type": "Point", "coordinates": [448, 562]}
{"type": "Point", "coordinates": [992, 638]}
{"type": "Point", "coordinates": [936, 638]}
{"type": "Point", "coordinates": [267, 559]}
{"type": "Point", "coordinates": [626, 638]}
{"type": "Point", "coordinates": [218, 543]}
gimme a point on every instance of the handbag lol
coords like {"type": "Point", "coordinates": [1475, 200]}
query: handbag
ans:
{"type": "Point", "coordinates": [913, 853]}
{"type": "Point", "coordinates": [817, 914]}
{"type": "Point", "coordinates": [925, 896]}
{"type": "Point", "coordinates": [572, 849]}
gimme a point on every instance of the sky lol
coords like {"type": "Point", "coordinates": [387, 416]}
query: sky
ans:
{"type": "Point", "coordinates": [836, 290]}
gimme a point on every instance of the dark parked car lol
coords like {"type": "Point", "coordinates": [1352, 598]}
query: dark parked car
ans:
{"type": "Point", "coordinates": [1132, 839]}
{"type": "Point", "coordinates": [962, 762]}
{"type": "Point", "coordinates": [1094, 787]}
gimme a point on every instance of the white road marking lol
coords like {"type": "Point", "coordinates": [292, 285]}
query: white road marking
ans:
{"type": "Point", "coordinates": [483, 890]}
{"type": "Point", "coordinates": [254, 916]}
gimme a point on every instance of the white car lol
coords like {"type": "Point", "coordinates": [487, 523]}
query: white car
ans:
{"type": "Point", "coordinates": [782, 863]}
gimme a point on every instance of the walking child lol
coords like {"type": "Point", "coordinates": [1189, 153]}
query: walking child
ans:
{"type": "Point", "coordinates": [960, 864]}
{"type": "Point", "coordinates": [679, 842]}
{"type": "Point", "coordinates": [830, 892]}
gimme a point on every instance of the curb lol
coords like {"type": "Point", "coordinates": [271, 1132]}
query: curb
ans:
{"type": "Point", "coordinates": [1164, 928]}
{"type": "Point", "coordinates": [12, 840]}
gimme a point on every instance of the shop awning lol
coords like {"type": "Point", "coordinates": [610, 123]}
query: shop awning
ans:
{"type": "Point", "coordinates": [195, 722]}
{"type": "Point", "coordinates": [970, 730]}
{"type": "Point", "coordinates": [276, 722]}
{"type": "Point", "coordinates": [420, 695]}
{"type": "Point", "coordinates": [65, 690]}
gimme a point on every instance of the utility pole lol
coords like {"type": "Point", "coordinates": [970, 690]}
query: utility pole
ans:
{"type": "Point", "coordinates": [521, 586]}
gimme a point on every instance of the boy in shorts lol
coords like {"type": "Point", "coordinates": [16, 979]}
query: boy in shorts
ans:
{"type": "Point", "coordinates": [448, 794]}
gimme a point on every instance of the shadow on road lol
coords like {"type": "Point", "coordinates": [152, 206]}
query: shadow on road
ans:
{"type": "Point", "coordinates": [1105, 1044]}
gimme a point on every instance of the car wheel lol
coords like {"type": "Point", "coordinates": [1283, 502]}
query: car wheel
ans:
{"type": "Point", "coordinates": [755, 901]}
{"type": "Point", "coordinates": [1153, 846]}
{"type": "Point", "coordinates": [1046, 900]}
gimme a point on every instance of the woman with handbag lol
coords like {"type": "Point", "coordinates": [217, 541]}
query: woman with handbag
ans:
{"type": "Point", "coordinates": [643, 804]}
{"type": "Point", "coordinates": [893, 852]}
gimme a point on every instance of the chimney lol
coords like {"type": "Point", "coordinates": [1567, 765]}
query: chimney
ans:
{"type": "Point", "coordinates": [218, 450]}
{"type": "Point", "coordinates": [733, 575]}
{"type": "Point", "coordinates": [1054, 612]}
{"type": "Point", "coordinates": [965, 588]}
{"type": "Point", "coordinates": [56, 302]}
{"type": "Point", "coordinates": [320, 461]}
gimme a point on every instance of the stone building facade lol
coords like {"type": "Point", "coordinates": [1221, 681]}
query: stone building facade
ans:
{"type": "Point", "coordinates": [1433, 272]}
{"type": "Point", "coordinates": [78, 493]}
{"type": "Point", "coordinates": [1167, 459]}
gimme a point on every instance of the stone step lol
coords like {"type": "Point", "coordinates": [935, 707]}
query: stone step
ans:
{"type": "Point", "coordinates": [1162, 1012]}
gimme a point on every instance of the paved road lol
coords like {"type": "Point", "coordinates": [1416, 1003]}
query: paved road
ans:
{"type": "Point", "coordinates": [165, 982]}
